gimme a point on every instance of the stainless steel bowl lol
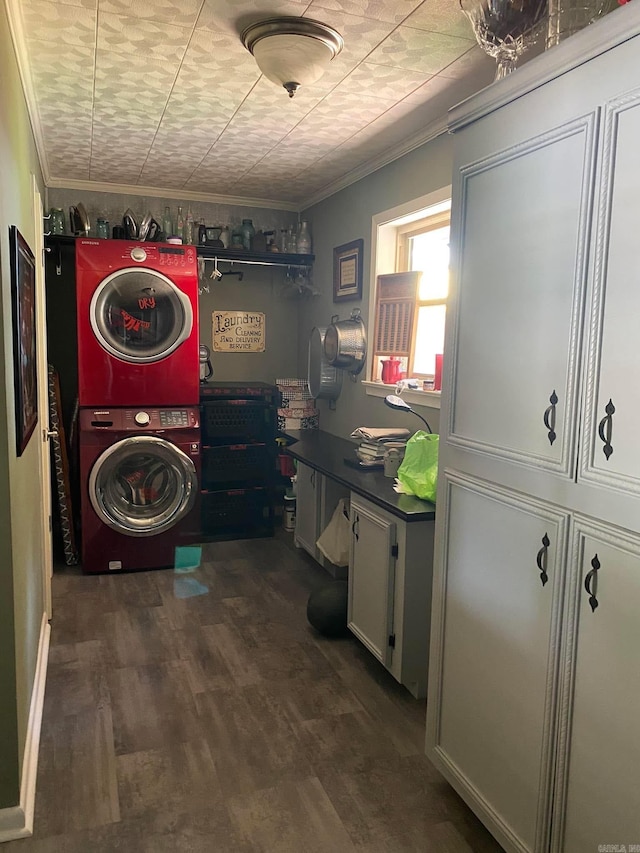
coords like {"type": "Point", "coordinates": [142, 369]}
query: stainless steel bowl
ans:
{"type": "Point", "coordinates": [345, 343]}
{"type": "Point", "coordinates": [325, 380]}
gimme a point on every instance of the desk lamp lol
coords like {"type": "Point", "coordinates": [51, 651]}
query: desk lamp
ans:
{"type": "Point", "coordinates": [395, 402]}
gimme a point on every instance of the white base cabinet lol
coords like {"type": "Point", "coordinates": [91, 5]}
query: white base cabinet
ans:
{"type": "Point", "coordinates": [316, 499]}
{"type": "Point", "coordinates": [532, 713]}
{"type": "Point", "coordinates": [390, 573]}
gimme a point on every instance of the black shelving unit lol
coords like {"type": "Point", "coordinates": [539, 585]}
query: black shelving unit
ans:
{"type": "Point", "coordinates": [238, 422]}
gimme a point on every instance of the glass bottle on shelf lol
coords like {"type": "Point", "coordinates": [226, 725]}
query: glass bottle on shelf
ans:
{"type": "Point", "coordinates": [188, 236]}
{"type": "Point", "coordinates": [304, 239]}
{"type": "Point", "coordinates": [180, 224]}
{"type": "Point", "coordinates": [292, 243]}
{"type": "Point", "coordinates": [248, 232]}
{"type": "Point", "coordinates": [202, 233]}
{"type": "Point", "coordinates": [283, 244]}
{"type": "Point", "coordinates": [167, 225]}
{"type": "Point", "coordinates": [102, 228]}
{"type": "Point", "coordinates": [56, 222]}
{"type": "Point", "coordinates": [225, 236]}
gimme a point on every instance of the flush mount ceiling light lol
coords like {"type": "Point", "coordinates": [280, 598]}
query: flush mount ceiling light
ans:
{"type": "Point", "coordinates": [292, 52]}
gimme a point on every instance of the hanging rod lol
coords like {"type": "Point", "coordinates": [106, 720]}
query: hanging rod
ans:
{"type": "Point", "coordinates": [232, 261]}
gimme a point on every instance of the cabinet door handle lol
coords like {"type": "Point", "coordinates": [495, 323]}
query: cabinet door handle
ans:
{"type": "Point", "coordinates": [356, 520]}
{"type": "Point", "coordinates": [541, 559]}
{"type": "Point", "coordinates": [591, 583]}
{"type": "Point", "coordinates": [605, 428]}
{"type": "Point", "coordinates": [549, 417]}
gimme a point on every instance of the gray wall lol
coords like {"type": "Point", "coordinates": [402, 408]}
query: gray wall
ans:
{"type": "Point", "coordinates": [347, 216]}
{"type": "Point", "coordinates": [262, 289]}
{"type": "Point", "coordinates": [21, 588]}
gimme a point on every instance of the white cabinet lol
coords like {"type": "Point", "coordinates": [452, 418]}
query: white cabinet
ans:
{"type": "Point", "coordinates": [390, 574]}
{"type": "Point", "coordinates": [499, 623]}
{"type": "Point", "coordinates": [531, 694]}
{"type": "Point", "coordinates": [598, 796]}
{"type": "Point", "coordinates": [307, 508]}
{"type": "Point", "coordinates": [316, 498]}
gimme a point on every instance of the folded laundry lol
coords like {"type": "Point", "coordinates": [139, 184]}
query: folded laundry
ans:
{"type": "Point", "coordinates": [380, 434]}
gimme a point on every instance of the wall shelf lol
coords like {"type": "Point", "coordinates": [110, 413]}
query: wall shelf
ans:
{"type": "Point", "coordinates": [278, 259]}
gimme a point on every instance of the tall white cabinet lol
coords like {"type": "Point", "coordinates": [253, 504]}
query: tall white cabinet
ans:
{"type": "Point", "coordinates": [534, 684]}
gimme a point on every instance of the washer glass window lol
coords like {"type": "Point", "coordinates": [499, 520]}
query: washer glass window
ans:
{"type": "Point", "coordinates": [140, 315]}
{"type": "Point", "coordinates": [142, 486]}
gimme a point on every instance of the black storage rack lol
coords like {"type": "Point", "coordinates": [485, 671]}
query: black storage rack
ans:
{"type": "Point", "coordinates": [239, 423]}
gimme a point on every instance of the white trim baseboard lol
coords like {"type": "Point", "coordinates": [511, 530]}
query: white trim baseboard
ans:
{"type": "Point", "coordinates": [17, 821]}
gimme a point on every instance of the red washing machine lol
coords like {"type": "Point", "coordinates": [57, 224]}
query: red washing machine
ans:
{"type": "Point", "coordinates": [137, 323]}
{"type": "Point", "coordinates": [140, 475]}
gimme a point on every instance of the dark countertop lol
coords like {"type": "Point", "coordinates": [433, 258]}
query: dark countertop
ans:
{"type": "Point", "coordinates": [326, 453]}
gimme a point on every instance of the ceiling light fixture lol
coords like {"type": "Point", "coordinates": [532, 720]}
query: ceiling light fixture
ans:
{"type": "Point", "coordinates": [292, 52]}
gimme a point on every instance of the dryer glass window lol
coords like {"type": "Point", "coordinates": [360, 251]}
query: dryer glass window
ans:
{"type": "Point", "coordinates": [142, 486]}
{"type": "Point", "coordinates": [140, 315]}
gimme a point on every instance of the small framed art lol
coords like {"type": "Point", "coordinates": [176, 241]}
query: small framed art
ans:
{"type": "Point", "coordinates": [347, 271]}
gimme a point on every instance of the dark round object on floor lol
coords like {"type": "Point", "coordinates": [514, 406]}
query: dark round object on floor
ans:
{"type": "Point", "coordinates": [327, 609]}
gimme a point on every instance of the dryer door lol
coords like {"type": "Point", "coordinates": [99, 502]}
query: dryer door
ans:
{"type": "Point", "coordinates": [143, 485]}
{"type": "Point", "coordinates": [139, 315]}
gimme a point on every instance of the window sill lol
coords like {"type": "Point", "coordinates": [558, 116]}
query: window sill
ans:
{"type": "Point", "coordinates": [431, 399]}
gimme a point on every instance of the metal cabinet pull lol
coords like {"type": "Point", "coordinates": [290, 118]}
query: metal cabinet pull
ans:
{"type": "Point", "coordinates": [605, 428]}
{"type": "Point", "coordinates": [591, 583]}
{"type": "Point", "coordinates": [541, 559]}
{"type": "Point", "coordinates": [356, 520]}
{"type": "Point", "coordinates": [549, 417]}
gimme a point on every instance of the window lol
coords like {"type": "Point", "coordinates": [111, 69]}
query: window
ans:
{"type": "Point", "coordinates": [410, 303]}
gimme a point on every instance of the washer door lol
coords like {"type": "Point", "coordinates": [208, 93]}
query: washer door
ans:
{"type": "Point", "coordinates": [140, 315]}
{"type": "Point", "coordinates": [142, 486]}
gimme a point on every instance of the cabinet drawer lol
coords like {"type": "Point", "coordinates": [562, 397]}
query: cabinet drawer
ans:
{"type": "Point", "coordinates": [229, 421]}
{"type": "Point", "coordinates": [235, 463]}
{"type": "Point", "coordinates": [242, 512]}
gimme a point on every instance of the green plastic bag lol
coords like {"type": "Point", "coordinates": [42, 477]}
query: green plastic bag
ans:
{"type": "Point", "coordinates": [418, 472]}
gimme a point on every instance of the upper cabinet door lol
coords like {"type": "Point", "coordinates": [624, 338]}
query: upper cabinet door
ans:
{"type": "Point", "coordinates": [611, 451]}
{"type": "Point", "coordinates": [520, 266]}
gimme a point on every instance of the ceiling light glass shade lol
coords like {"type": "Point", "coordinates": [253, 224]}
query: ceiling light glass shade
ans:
{"type": "Point", "coordinates": [292, 52]}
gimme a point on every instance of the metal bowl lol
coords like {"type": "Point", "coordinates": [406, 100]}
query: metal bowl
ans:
{"type": "Point", "coordinates": [345, 343]}
{"type": "Point", "coordinates": [325, 380]}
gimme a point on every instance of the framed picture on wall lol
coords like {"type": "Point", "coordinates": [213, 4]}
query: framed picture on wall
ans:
{"type": "Point", "coordinates": [347, 271]}
{"type": "Point", "coordinates": [23, 309]}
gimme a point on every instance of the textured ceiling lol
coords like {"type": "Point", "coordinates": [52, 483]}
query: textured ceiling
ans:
{"type": "Point", "coordinates": [164, 95]}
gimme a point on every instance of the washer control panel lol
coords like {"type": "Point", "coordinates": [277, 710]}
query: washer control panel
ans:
{"type": "Point", "coordinates": [142, 418]}
{"type": "Point", "coordinates": [174, 417]}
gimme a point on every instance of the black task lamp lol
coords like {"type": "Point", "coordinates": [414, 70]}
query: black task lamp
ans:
{"type": "Point", "coordinates": [395, 402]}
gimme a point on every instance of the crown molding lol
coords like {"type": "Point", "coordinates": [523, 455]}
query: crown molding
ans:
{"type": "Point", "coordinates": [173, 193]}
{"type": "Point", "coordinates": [17, 37]}
{"type": "Point", "coordinates": [428, 134]}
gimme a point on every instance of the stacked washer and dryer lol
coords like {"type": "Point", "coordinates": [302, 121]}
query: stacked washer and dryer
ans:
{"type": "Point", "coordinates": [138, 388]}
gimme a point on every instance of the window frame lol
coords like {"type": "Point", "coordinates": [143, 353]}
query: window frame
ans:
{"type": "Point", "coordinates": [383, 258]}
{"type": "Point", "coordinates": [404, 233]}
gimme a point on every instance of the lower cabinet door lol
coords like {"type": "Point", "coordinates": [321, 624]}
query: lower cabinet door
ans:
{"type": "Point", "coordinates": [371, 578]}
{"type": "Point", "coordinates": [307, 509]}
{"type": "Point", "coordinates": [599, 787]}
{"type": "Point", "coordinates": [492, 679]}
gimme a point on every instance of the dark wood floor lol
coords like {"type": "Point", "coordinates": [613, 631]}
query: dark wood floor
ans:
{"type": "Point", "coordinates": [221, 721]}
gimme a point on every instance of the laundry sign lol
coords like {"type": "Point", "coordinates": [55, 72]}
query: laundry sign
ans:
{"type": "Point", "coordinates": [238, 331]}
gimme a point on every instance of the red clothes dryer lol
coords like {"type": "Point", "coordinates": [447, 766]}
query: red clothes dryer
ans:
{"type": "Point", "coordinates": [137, 316]}
{"type": "Point", "coordinates": [140, 474]}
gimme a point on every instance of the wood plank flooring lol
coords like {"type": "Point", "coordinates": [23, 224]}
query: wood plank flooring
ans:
{"type": "Point", "coordinates": [201, 712]}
